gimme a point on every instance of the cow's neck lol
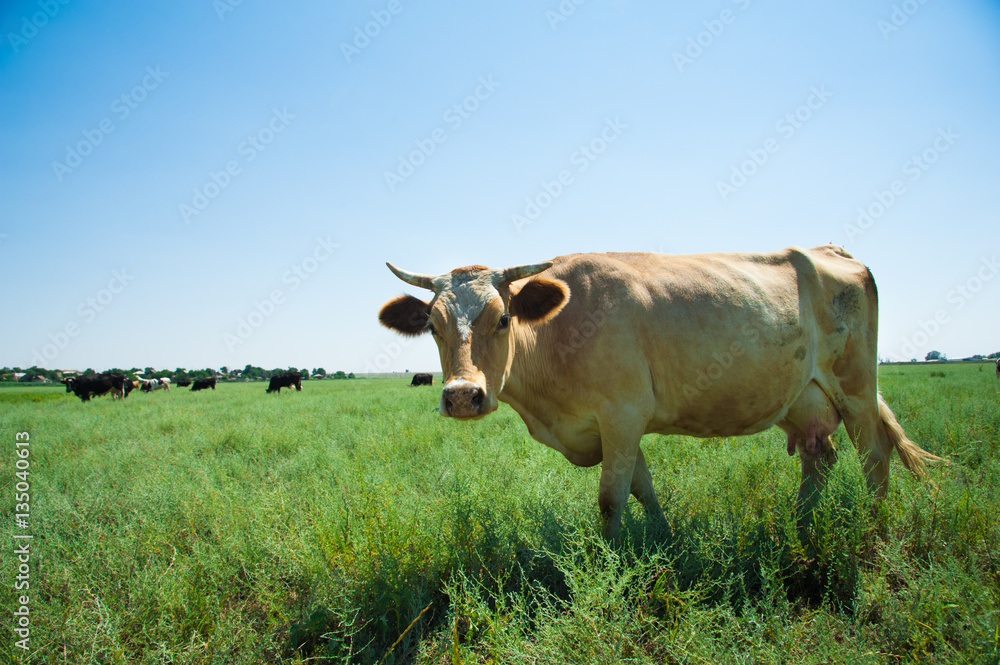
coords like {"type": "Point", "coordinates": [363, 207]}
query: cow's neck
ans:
{"type": "Point", "coordinates": [529, 384]}
{"type": "Point", "coordinates": [527, 376]}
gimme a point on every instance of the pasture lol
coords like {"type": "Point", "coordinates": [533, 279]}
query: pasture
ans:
{"type": "Point", "coordinates": [350, 523]}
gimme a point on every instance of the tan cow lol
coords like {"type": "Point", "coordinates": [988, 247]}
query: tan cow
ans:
{"type": "Point", "coordinates": [595, 350]}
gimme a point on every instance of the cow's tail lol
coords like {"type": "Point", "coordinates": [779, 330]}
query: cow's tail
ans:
{"type": "Point", "coordinates": [912, 455]}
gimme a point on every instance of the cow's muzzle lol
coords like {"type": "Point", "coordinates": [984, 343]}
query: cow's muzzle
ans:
{"type": "Point", "coordinates": [463, 399]}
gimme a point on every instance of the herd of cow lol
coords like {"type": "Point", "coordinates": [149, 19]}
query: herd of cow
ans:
{"type": "Point", "coordinates": [119, 386]}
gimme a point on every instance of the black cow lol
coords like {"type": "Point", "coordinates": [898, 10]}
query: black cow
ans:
{"type": "Point", "coordinates": [183, 383]}
{"type": "Point", "coordinates": [202, 384]}
{"type": "Point", "coordinates": [422, 380]}
{"type": "Point", "coordinates": [85, 387]}
{"type": "Point", "coordinates": [285, 380]}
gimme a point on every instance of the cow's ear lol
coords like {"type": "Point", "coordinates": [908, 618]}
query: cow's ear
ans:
{"type": "Point", "coordinates": [406, 315]}
{"type": "Point", "coordinates": [539, 300]}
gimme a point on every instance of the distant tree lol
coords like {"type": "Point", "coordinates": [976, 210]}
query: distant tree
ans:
{"type": "Point", "coordinates": [319, 371]}
{"type": "Point", "coordinates": [339, 375]}
{"type": "Point", "coordinates": [148, 371]}
{"type": "Point", "coordinates": [994, 355]}
{"type": "Point", "coordinates": [253, 373]}
{"type": "Point", "coordinates": [224, 370]}
{"type": "Point", "coordinates": [934, 355]}
{"type": "Point", "coordinates": [34, 372]}
{"type": "Point", "coordinates": [89, 371]}
{"type": "Point", "coordinates": [351, 376]}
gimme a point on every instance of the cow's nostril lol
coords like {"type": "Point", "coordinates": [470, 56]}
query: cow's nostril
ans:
{"type": "Point", "coordinates": [477, 399]}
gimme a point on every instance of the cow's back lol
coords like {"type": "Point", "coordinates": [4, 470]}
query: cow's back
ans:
{"type": "Point", "coordinates": [709, 344]}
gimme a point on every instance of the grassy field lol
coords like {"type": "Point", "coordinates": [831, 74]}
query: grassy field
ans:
{"type": "Point", "coordinates": [350, 523]}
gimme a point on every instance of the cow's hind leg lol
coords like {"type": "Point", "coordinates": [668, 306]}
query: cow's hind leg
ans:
{"type": "Point", "coordinates": [854, 387]}
{"type": "Point", "coordinates": [875, 431]}
{"type": "Point", "coordinates": [642, 489]}
{"type": "Point", "coordinates": [810, 421]}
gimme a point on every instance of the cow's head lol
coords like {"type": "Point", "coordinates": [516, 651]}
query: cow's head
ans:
{"type": "Point", "coordinates": [475, 316]}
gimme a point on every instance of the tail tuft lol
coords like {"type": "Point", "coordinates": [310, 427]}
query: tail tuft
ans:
{"type": "Point", "coordinates": [912, 455]}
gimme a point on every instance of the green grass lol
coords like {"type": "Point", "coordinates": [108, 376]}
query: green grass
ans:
{"type": "Point", "coordinates": [351, 523]}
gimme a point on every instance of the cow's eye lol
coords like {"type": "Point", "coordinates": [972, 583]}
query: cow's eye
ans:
{"type": "Point", "coordinates": [504, 322]}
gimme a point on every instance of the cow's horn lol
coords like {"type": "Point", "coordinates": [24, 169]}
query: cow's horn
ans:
{"type": "Point", "coordinates": [416, 279]}
{"type": "Point", "coordinates": [527, 270]}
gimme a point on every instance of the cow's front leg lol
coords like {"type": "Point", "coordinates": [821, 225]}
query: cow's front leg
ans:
{"type": "Point", "coordinates": [622, 459]}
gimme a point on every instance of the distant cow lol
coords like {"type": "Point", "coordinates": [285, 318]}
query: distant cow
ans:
{"type": "Point", "coordinates": [129, 386]}
{"type": "Point", "coordinates": [285, 380]}
{"type": "Point", "coordinates": [183, 383]}
{"type": "Point", "coordinates": [149, 385]}
{"type": "Point", "coordinates": [202, 384]}
{"type": "Point", "coordinates": [422, 380]}
{"type": "Point", "coordinates": [89, 386]}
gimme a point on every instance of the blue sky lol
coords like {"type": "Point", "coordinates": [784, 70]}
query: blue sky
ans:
{"type": "Point", "coordinates": [206, 184]}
